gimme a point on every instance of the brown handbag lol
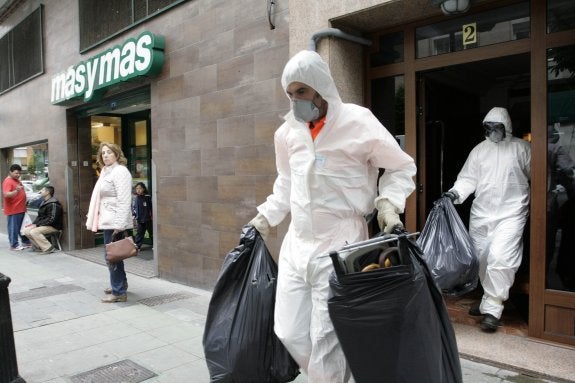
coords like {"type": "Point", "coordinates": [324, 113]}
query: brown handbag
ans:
{"type": "Point", "coordinates": [119, 250]}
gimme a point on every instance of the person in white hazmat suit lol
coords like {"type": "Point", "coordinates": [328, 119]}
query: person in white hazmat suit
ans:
{"type": "Point", "coordinates": [498, 171]}
{"type": "Point", "coordinates": [327, 158]}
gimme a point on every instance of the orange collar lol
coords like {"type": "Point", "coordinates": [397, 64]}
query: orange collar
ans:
{"type": "Point", "coordinates": [316, 128]}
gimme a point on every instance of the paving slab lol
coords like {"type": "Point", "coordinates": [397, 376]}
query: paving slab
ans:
{"type": "Point", "coordinates": [62, 335]}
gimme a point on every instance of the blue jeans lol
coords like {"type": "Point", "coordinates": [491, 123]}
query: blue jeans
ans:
{"type": "Point", "coordinates": [118, 280]}
{"type": "Point", "coordinates": [14, 224]}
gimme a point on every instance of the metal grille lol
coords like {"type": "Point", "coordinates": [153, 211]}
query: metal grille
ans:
{"type": "Point", "coordinates": [21, 52]}
{"type": "Point", "coordinates": [124, 371]}
{"type": "Point", "coordinates": [100, 20]}
{"type": "Point", "coordinates": [5, 63]}
{"type": "Point", "coordinates": [43, 292]}
{"type": "Point", "coordinates": [27, 44]}
{"type": "Point", "coordinates": [166, 298]}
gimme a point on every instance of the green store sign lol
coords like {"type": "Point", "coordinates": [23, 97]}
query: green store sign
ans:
{"type": "Point", "coordinates": [140, 56]}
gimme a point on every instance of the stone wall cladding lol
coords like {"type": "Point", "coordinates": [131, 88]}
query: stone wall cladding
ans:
{"type": "Point", "coordinates": [214, 109]}
{"type": "Point", "coordinates": [214, 113]}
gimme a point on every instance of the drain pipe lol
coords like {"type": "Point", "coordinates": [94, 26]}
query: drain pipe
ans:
{"type": "Point", "coordinates": [328, 32]}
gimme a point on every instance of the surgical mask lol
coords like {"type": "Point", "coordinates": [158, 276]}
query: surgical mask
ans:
{"type": "Point", "coordinates": [305, 110]}
{"type": "Point", "coordinates": [494, 131]}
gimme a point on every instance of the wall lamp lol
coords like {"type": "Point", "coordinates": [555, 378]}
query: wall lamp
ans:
{"type": "Point", "coordinates": [452, 7]}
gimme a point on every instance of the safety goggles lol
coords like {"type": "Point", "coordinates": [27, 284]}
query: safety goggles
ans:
{"type": "Point", "coordinates": [490, 127]}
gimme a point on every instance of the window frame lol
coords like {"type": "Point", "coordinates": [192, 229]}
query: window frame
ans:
{"type": "Point", "coordinates": [119, 32]}
{"type": "Point", "coordinates": [11, 65]}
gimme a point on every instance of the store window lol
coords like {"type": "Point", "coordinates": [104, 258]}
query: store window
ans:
{"type": "Point", "coordinates": [33, 159]}
{"type": "Point", "coordinates": [561, 168]}
{"type": "Point", "coordinates": [21, 52]}
{"type": "Point", "coordinates": [474, 30]}
{"type": "Point", "coordinates": [102, 20]}
{"type": "Point", "coordinates": [560, 15]}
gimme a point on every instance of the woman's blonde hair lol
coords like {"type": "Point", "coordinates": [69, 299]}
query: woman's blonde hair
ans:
{"type": "Point", "coordinates": [114, 148]}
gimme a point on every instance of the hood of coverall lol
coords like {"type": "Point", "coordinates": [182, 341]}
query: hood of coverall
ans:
{"type": "Point", "coordinates": [501, 115]}
{"type": "Point", "coordinates": [309, 68]}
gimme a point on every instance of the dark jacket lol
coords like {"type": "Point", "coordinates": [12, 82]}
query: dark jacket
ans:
{"type": "Point", "coordinates": [142, 208]}
{"type": "Point", "coordinates": [50, 214]}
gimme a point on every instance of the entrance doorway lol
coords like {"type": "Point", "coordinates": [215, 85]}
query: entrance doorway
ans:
{"type": "Point", "coordinates": [453, 102]}
{"type": "Point", "coordinates": [130, 131]}
{"type": "Point", "coordinates": [123, 120]}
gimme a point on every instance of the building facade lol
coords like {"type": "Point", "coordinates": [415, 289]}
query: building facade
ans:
{"type": "Point", "coordinates": [195, 98]}
{"type": "Point", "coordinates": [194, 108]}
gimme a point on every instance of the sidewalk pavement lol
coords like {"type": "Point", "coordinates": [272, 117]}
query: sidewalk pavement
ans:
{"type": "Point", "coordinates": [63, 334]}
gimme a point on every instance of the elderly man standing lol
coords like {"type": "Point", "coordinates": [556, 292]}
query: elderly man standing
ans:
{"type": "Point", "coordinates": [327, 158]}
{"type": "Point", "coordinates": [48, 221]}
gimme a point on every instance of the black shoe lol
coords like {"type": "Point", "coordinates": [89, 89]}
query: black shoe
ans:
{"type": "Point", "coordinates": [489, 323]}
{"type": "Point", "coordinates": [50, 250]}
{"type": "Point", "coordinates": [474, 311]}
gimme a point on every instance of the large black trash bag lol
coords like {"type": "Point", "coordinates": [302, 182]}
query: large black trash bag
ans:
{"type": "Point", "coordinates": [448, 251]}
{"type": "Point", "coordinates": [392, 323]}
{"type": "Point", "coordinates": [239, 341]}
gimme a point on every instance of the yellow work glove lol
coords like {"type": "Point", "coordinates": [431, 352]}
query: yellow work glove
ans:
{"type": "Point", "coordinates": [261, 224]}
{"type": "Point", "coordinates": [387, 216]}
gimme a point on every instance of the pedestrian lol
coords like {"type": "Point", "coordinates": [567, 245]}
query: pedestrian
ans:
{"type": "Point", "coordinates": [14, 206]}
{"type": "Point", "coordinates": [497, 170]}
{"type": "Point", "coordinates": [327, 157]}
{"type": "Point", "coordinates": [142, 213]}
{"type": "Point", "coordinates": [48, 221]}
{"type": "Point", "coordinates": [110, 211]}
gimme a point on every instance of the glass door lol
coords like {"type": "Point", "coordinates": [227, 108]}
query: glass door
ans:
{"type": "Point", "coordinates": [560, 259]}
{"type": "Point", "coordinates": [138, 148]}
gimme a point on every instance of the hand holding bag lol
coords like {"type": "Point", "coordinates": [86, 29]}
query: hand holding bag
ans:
{"type": "Point", "coordinates": [119, 250]}
{"type": "Point", "coordinates": [448, 250]}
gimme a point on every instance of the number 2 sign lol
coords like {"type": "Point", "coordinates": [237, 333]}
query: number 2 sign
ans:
{"type": "Point", "coordinates": [469, 33]}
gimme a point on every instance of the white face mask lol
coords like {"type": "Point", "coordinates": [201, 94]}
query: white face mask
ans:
{"type": "Point", "coordinates": [305, 110]}
{"type": "Point", "coordinates": [496, 136]}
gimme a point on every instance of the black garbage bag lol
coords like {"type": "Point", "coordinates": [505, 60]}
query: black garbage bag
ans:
{"type": "Point", "coordinates": [448, 251]}
{"type": "Point", "coordinates": [391, 322]}
{"type": "Point", "coordinates": [239, 340]}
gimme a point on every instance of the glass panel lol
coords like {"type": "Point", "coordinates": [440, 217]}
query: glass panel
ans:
{"type": "Point", "coordinates": [141, 170]}
{"type": "Point", "coordinates": [388, 104]}
{"type": "Point", "coordinates": [560, 15]}
{"type": "Point", "coordinates": [390, 50]}
{"type": "Point", "coordinates": [561, 168]}
{"type": "Point", "coordinates": [475, 30]}
{"type": "Point", "coordinates": [104, 129]}
{"type": "Point", "coordinates": [34, 176]}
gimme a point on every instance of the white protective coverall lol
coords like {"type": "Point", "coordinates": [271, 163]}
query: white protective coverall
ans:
{"type": "Point", "coordinates": [328, 185]}
{"type": "Point", "coordinates": [499, 174]}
